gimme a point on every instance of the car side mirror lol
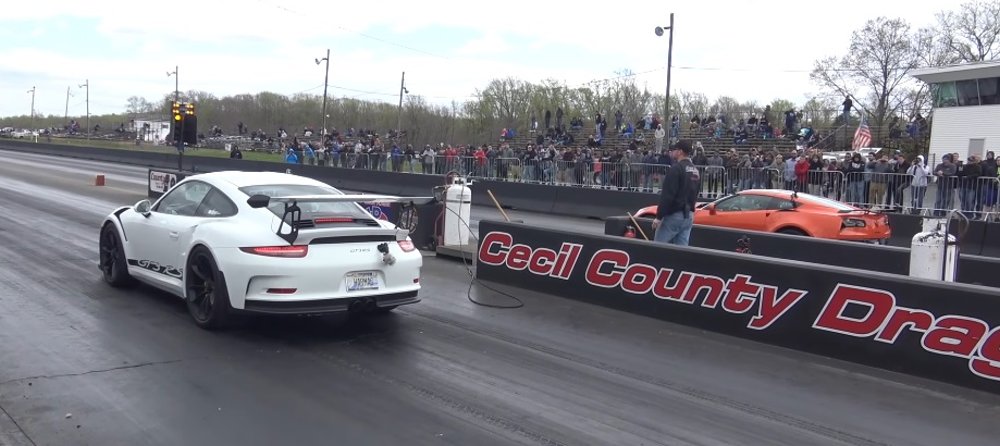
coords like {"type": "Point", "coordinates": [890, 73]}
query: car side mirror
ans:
{"type": "Point", "coordinates": [711, 209]}
{"type": "Point", "coordinates": [259, 201]}
{"type": "Point", "coordinates": [143, 207]}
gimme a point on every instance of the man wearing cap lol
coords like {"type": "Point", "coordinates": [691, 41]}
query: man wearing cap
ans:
{"type": "Point", "coordinates": [679, 194]}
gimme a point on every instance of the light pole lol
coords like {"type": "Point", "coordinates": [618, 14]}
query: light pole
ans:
{"type": "Point", "coordinates": [326, 79]}
{"type": "Point", "coordinates": [178, 134]}
{"type": "Point", "coordinates": [86, 83]}
{"type": "Point", "coordinates": [399, 112]}
{"type": "Point", "coordinates": [32, 91]}
{"type": "Point", "coordinates": [670, 62]}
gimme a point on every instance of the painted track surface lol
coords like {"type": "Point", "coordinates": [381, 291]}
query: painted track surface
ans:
{"type": "Point", "coordinates": [131, 368]}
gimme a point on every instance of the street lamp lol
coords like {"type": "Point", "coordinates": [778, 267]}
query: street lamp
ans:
{"type": "Point", "coordinates": [399, 112]}
{"type": "Point", "coordinates": [326, 79]}
{"type": "Point", "coordinates": [670, 60]}
{"type": "Point", "coordinates": [86, 83]}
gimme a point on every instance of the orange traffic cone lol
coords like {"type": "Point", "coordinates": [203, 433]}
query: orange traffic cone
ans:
{"type": "Point", "coordinates": [99, 180]}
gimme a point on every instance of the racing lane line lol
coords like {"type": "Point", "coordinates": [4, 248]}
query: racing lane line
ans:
{"type": "Point", "coordinates": [11, 433]}
{"type": "Point", "coordinates": [76, 163]}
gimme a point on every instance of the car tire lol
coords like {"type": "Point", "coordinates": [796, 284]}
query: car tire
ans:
{"type": "Point", "coordinates": [112, 261]}
{"type": "Point", "coordinates": [206, 295]}
{"type": "Point", "coordinates": [793, 231]}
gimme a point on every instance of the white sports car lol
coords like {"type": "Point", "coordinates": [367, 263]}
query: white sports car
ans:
{"type": "Point", "coordinates": [262, 242]}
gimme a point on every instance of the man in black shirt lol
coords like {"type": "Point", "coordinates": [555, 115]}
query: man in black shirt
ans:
{"type": "Point", "coordinates": [675, 213]}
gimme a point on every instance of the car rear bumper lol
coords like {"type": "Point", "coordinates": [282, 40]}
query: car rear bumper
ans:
{"type": "Point", "coordinates": [327, 306]}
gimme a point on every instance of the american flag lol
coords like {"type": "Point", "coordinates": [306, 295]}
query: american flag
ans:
{"type": "Point", "coordinates": [862, 136]}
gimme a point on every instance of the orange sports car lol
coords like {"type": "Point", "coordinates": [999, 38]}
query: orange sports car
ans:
{"type": "Point", "coordinates": [787, 212]}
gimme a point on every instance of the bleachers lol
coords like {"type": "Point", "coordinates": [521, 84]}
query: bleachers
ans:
{"type": "Point", "coordinates": [614, 141]}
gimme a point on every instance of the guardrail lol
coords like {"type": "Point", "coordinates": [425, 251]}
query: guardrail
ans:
{"type": "Point", "coordinates": [937, 330]}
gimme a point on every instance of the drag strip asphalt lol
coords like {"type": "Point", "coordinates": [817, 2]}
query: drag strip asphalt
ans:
{"type": "Point", "coordinates": [84, 364]}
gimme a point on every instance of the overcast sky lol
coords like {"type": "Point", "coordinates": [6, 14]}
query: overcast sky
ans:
{"type": "Point", "coordinates": [448, 49]}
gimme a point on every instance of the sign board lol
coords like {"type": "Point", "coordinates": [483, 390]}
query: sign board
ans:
{"type": "Point", "coordinates": [944, 331]}
{"type": "Point", "coordinates": [379, 210]}
{"type": "Point", "coordinates": [162, 180]}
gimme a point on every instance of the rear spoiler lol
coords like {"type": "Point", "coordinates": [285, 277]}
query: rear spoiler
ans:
{"type": "Point", "coordinates": [292, 209]}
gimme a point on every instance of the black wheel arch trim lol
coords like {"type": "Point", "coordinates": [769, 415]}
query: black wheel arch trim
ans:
{"type": "Point", "coordinates": [118, 216]}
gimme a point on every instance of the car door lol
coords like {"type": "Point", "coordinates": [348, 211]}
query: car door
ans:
{"type": "Point", "coordinates": [158, 236]}
{"type": "Point", "coordinates": [743, 211]}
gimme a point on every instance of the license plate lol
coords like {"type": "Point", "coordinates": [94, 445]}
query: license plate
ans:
{"type": "Point", "coordinates": [362, 281]}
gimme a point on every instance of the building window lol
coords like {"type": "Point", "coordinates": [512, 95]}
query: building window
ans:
{"type": "Point", "coordinates": [989, 91]}
{"type": "Point", "coordinates": [945, 95]}
{"type": "Point", "coordinates": [968, 92]}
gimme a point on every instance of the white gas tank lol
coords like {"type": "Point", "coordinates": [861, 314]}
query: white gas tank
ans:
{"type": "Point", "coordinates": [458, 214]}
{"type": "Point", "coordinates": [934, 256]}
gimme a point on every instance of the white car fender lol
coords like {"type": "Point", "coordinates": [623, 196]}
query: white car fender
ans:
{"type": "Point", "coordinates": [115, 219]}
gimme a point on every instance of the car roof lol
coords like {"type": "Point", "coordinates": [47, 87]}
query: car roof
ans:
{"type": "Point", "coordinates": [243, 179]}
{"type": "Point", "coordinates": [777, 193]}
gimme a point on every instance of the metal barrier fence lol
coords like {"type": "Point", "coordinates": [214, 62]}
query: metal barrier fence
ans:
{"type": "Point", "coordinates": [977, 198]}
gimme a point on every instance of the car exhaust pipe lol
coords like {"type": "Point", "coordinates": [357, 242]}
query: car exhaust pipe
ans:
{"type": "Point", "coordinates": [361, 305]}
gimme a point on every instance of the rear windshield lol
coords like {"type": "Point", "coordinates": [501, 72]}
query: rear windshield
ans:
{"type": "Point", "coordinates": [309, 209]}
{"type": "Point", "coordinates": [826, 202]}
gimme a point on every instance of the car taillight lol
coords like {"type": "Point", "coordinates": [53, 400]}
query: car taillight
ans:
{"type": "Point", "coordinates": [854, 223]}
{"type": "Point", "coordinates": [290, 251]}
{"type": "Point", "coordinates": [406, 245]}
{"type": "Point", "coordinates": [326, 220]}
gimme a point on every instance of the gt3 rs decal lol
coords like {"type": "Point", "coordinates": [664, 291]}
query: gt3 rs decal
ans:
{"type": "Point", "coordinates": [167, 270]}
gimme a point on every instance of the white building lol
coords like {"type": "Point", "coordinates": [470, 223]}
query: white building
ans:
{"type": "Point", "coordinates": [151, 131]}
{"type": "Point", "coordinates": [966, 108]}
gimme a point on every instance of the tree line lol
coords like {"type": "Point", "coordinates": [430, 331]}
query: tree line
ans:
{"type": "Point", "coordinates": [874, 71]}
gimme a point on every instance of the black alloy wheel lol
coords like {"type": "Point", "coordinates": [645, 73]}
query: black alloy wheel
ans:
{"type": "Point", "coordinates": [112, 262]}
{"type": "Point", "coordinates": [207, 297]}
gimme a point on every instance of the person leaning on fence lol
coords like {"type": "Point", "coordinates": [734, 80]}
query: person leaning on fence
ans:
{"type": "Point", "coordinates": [919, 184]}
{"type": "Point", "coordinates": [679, 194]}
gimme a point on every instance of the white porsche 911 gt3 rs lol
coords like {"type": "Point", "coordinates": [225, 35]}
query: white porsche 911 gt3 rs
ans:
{"type": "Point", "coordinates": [262, 242]}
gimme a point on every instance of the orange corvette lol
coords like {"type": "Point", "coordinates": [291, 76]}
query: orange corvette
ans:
{"type": "Point", "coordinates": [787, 212]}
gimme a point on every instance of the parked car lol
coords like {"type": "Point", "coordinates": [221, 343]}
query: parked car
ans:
{"type": "Point", "coordinates": [789, 212]}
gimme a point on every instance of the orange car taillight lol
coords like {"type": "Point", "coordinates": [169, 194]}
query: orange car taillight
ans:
{"type": "Point", "coordinates": [854, 223]}
{"type": "Point", "coordinates": [290, 251]}
{"type": "Point", "coordinates": [406, 245]}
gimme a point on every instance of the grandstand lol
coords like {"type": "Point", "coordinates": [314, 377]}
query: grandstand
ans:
{"type": "Point", "coordinates": [614, 141]}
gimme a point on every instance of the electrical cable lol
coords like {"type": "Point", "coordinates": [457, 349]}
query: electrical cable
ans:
{"type": "Point", "coordinates": [465, 262]}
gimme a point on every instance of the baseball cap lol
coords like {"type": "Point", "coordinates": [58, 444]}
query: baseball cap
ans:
{"type": "Point", "coordinates": [682, 145]}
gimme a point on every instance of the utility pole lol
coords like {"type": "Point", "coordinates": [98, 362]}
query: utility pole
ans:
{"type": "Point", "coordinates": [87, 84]}
{"type": "Point", "coordinates": [32, 91]}
{"type": "Point", "coordinates": [670, 62]}
{"type": "Point", "coordinates": [399, 112]}
{"type": "Point", "coordinates": [66, 114]}
{"type": "Point", "coordinates": [326, 80]}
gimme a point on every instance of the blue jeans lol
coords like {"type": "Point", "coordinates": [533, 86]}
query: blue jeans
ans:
{"type": "Point", "coordinates": [917, 198]}
{"type": "Point", "coordinates": [675, 229]}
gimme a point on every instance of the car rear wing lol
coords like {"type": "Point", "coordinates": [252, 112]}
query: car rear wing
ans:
{"type": "Point", "coordinates": [292, 209]}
